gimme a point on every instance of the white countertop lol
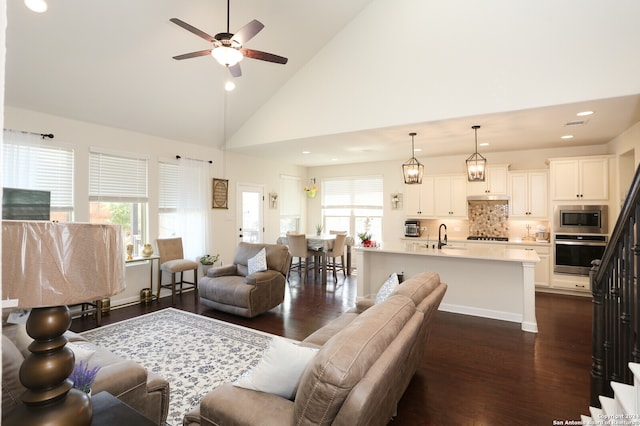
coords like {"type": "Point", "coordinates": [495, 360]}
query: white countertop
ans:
{"type": "Point", "coordinates": [482, 252]}
{"type": "Point", "coordinates": [512, 241]}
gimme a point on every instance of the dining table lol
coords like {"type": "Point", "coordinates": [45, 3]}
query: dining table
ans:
{"type": "Point", "coordinates": [321, 245]}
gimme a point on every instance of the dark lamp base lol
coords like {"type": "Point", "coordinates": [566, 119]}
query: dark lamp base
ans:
{"type": "Point", "coordinates": [49, 399]}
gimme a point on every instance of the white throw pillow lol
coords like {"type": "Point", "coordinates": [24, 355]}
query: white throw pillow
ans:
{"type": "Point", "coordinates": [258, 262]}
{"type": "Point", "coordinates": [280, 369]}
{"type": "Point", "coordinates": [387, 288]}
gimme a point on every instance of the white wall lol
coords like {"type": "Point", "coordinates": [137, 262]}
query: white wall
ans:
{"type": "Point", "coordinates": [223, 234]}
{"type": "Point", "coordinates": [411, 61]}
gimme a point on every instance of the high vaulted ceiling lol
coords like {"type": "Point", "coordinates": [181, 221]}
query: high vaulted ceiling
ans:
{"type": "Point", "coordinates": [361, 75]}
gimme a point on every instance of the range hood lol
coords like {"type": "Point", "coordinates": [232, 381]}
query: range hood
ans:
{"type": "Point", "coordinates": [488, 197]}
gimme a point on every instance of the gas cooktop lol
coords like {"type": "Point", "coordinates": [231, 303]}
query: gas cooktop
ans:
{"type": "Point", "coordinates": [486, 238]}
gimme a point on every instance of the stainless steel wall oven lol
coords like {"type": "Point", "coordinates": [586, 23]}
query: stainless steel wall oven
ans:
{"type": "Point", "coordinates": [580, 237]}
{"type": "Point", "coordinates": [574, 253]}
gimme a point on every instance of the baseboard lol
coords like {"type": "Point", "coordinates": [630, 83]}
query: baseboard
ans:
{"type": "Point", "coordinates": [484, 313]}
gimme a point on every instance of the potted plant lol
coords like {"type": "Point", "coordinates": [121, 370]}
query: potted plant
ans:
{"type": "Point", "coordinates": [207, 261]}
{"type": "Point", "coordinates": [83, 376]}
{"type": "Point", "coordinates": [365, 238]}
{"type": "Point", "coordinates": [319, 229]}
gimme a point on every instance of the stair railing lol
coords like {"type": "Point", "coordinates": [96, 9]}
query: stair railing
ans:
{"type": "Point", "coordinates": [616, 301]}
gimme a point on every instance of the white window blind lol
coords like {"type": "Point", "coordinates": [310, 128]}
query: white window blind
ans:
{"type": "Point", "coordinates": [30, 163]}
{"type": "Point", "coordinates": [352, 192]}
{"type": "Point", "coordinates": [117, 177]}
{"type": "Point", "coordinates": [290, 196]}
{"type": "Point", "coordinates": [168, 186]}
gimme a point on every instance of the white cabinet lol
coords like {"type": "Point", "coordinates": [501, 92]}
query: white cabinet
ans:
{"type": "Point", "coordinates": [495, 182]}
{"type": "Point", "coordinates": [450, 196]}
{"type": "Point", "coordinates": [585, 178]}
{"type": "Point", "coordinates": [418, 198]}
{"type": "Point", "coordinates": [529, 195]}
{"type": "Point", "coordinates": [542, 271]}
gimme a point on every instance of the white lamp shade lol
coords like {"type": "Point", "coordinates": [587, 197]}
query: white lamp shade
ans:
{"type": "Point", "coordinates": [227, 56]}
{"type": "Point", "coordinates": [51, 264]}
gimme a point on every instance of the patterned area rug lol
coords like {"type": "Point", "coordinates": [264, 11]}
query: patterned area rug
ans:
{"type": "Point", "coordinates": [194, 353]}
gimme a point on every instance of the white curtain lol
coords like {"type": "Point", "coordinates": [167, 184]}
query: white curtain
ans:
{"type": "Point", "coordinates": [192, 207]}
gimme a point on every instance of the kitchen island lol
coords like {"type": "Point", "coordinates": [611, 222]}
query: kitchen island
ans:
{"type": "Point", "coordinates": [488, 282]}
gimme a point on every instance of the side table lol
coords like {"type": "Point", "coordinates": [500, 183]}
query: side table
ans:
{"type": "Point", "coordinates": [109, 410]}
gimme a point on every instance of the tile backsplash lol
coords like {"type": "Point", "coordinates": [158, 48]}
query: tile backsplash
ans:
{"type": "Point", "coordinates": [489, 218]}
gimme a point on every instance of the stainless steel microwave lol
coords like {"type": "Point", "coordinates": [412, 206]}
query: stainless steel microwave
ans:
{"type": "Point", "coordinates": [585, 219]}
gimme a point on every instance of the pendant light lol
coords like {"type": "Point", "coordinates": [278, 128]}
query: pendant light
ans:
{"type": "Point", "coordinates": [412, 169]}
{"type": "Point", "coordinates": [476, 163]}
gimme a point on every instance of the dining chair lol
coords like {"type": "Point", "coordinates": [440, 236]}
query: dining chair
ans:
{"type": "Point", "coordinates": [298, 248]}
{"type": "Point", "coordinates": [337, 251]}
{"type": "Point", "coordinates": [172, 261]}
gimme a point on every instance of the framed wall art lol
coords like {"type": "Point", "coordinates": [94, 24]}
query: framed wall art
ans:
{"type": "Point", "coordinates": [220, 196]}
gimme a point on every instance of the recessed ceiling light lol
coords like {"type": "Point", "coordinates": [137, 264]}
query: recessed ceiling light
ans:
{"type": "Point", "coordinates": [229, 86]}
{"type": "Point", "coordinates": [334, 159]}
{"type": "Point", "coordinates": [38, 6]}
{"type": "Point", "coordinates": [418, 150]}
{"type": "Point", "coordinates": [306, 152]}
{"type": "Point", "coordinates": [566, 137]}
{"type": "Point", "coordinates": [583, 113]}
{"type": "Point", "coordinates": [484, 144]}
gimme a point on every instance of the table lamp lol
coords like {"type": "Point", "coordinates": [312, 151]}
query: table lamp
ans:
{"type": "Point", "coordinates": [46, 266]}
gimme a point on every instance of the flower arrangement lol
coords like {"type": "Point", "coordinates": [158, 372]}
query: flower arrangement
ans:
{"type": "Point", "coordinates": [319, 229]}
{"type": "Point", "coordinates": [209, 259]}
{"type": "Point", "coordinates": [83, 376]}
{"type": "Point", "coordinates": [365, 238]}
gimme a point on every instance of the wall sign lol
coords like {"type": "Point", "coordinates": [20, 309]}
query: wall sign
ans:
{"type": "Point", "coordinates": [220, 197]}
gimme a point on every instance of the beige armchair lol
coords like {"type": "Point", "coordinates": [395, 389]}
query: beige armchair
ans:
{"type": "Point", "coordinates": [230, 288]}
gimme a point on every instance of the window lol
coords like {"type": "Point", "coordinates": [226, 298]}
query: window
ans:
{"type": "Point", "coordinates": [290, 194]}
{"type": "Point", "coordinates": [353, 204]}
{"type": "Point", "coordinates": [168, 199]}
{"type": "Point", "coordinates": [118, 193]}
{"type": "Point", "coordinates": [29, 162]}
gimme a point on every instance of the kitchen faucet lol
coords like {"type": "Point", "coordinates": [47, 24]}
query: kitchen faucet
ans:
{"type": "Point", "coordinates": [440, 241]}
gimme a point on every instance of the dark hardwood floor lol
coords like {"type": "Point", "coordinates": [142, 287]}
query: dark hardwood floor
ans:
{"type": "Point", "coordinates": [476, 371]}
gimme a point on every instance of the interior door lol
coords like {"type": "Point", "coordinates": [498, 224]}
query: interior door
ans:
{"type": "Point", "coordinates": [250, 213]}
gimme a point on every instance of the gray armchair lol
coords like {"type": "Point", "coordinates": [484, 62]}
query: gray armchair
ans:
{"type": "Point", "coordinates": [230, 288]}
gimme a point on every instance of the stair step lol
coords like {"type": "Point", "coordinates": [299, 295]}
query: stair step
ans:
{"type": "Point", "coordinates": [625, 395]}
{"type": "Point", "coordinates": [595, 412]}
{"type": "Point", "coordinates": [609, 406]}
{"type": "Point", "coordinates": [635, 370]}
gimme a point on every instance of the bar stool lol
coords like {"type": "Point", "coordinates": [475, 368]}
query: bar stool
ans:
{"type": "Point", "coordinates": [172, 261]}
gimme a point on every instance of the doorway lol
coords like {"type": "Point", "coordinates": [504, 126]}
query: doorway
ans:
{"type": "Point", "coordinates": [250, 212]}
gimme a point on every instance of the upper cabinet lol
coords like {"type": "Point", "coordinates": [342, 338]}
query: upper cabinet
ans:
{"type": "Point", "coordinates": [580, 179]}
{"type": "Point", "coordinates": [495, 182]}
{"type": "Point", "coordinates": [418, 199]}
{"type": "Point", "coordinates": [450, 196]}
{"type": "Point", "coordinates": [529, 194]}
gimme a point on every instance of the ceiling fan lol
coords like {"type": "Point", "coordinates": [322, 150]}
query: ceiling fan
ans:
{"type": "Point", "coordinates": [227, 47]}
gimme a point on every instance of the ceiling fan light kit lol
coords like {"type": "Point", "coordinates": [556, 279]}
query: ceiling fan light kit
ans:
{"type": "Point", "coordinates": [412, 169]}
{"type": "Point", "coordinates": [227, 47]}
{"type": "Point", "coordinates": [227, 56]}
{"type": "Point", "coordinates": [476, 163]}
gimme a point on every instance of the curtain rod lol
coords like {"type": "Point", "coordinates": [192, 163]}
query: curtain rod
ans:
{"type": "Point", "coordinates": [43, 135]}
{"type": "Point", "coordinates": [179, 157]}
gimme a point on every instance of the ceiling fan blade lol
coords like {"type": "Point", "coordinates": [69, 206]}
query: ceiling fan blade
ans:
{"type": "Point", "coordinates": [248, 32]}
{"type": "Point", "coordinates": [193, 54]}
{"type": "Point", "coordinates": [192, 29]}
{"type": "Point", "coordinates": [263, 56]}
{"type": "Point", "coordinates": [235, 70]}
